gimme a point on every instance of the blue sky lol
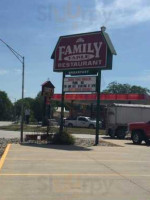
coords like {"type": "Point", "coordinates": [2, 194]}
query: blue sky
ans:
{"type": "Point", "coordinates": [33, 28]}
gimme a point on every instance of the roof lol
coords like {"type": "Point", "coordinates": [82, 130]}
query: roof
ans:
{"type": "Point", "coordinates": [106, 37]}
{"type": "Point", "coordinates": [48, 84]}
{"type": "Point", "coordinates": [131, 105]}
{"type": "Point", "coordinates": [109, 43]}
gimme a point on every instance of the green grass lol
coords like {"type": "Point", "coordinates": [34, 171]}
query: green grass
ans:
{"type": "Point", "coordinates": [84, 131]}
{"type": "Point", "coordinates": [16, 127]}
{"type": "Point", "coordinates": [35, 129]}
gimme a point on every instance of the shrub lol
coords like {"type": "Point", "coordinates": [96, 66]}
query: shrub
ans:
{"type": "Point", "coordinates": [64, 138]}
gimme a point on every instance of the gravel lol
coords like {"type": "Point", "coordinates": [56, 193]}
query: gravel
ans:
{"type": "Point", "coordinates": [4, 142]}
{"type": "Point", "coordinates": [78, 142]}
{"type": "Point", "coordinates": [90, 142]}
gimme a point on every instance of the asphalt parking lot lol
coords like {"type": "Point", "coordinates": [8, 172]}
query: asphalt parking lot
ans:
{"type": "Point", "coordinates": [66, 172]}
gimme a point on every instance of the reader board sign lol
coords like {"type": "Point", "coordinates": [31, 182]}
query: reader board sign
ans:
{"type": "Point", "coordinates": [81, 51]}
{"type": "Point", "coordinates": [80, 84]}
{"type": "Point", "coordinates": [48, 92]}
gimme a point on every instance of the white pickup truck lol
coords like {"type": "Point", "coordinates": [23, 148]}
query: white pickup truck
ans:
{"type": "Point", "coordinates": [82, 121]}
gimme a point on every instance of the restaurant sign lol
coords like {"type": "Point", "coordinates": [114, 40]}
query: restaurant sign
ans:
{"type": "Point", "coordinates": [81, 51]}
{"type": "Point", "coordinates": [80, 84]}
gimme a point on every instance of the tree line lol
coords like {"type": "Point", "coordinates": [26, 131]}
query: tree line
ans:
{"type": "Point", "coordinates": [12, 111]}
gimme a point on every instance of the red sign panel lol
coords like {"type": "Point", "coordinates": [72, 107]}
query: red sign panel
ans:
{"type": "Point", "coordinates": [82, 51]}
{"type": "Point", "coordinates": [106, 97]}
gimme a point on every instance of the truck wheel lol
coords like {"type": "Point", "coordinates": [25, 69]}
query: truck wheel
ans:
{"type": "Point", "coordinates": [70, 125]}
{"type": "Point", "coordinates": [137, 137]}
{"type": "Point", "coordinates": [147, 141]}
{"type": "Point", "coordinates": [111, 133]}
{"type": "Point", "coordinates": [91, 126]}
{"type": "Point", "coordinates": [121, 133]}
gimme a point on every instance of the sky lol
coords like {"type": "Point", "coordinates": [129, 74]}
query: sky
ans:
{"type": "Point", "coordinates": [33, 27]}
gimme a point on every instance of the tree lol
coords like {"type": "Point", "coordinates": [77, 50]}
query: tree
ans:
{"type": "Point", "coordinates": [38, 107]}
{"type": "Point", "coordinates": [6, 107]}
{"type": "Point", "coordinates": [139, 90]}
{"type": "Point", "coordinates": [118, 88]}
{"type": "Point", "coordinates": [28, 103]}
{"type": "Point", "coordinates": [39, 104]}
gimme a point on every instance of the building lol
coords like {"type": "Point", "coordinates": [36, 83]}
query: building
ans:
{"type": "Point", "coordinates": [85, 104]}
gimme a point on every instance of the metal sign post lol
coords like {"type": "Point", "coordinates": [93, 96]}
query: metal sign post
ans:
{"type": "Point", "coordinates": [47, 92]}
{"type": "Point", "coordinates": [62, 106]}
{"type": "Point", "coordinates": [98, 84]}
{"type": "Point", "coordinates": [44, 112]}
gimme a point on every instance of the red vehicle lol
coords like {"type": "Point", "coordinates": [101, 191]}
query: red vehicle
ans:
{"type": "Point", "coordinates": [140, 131]}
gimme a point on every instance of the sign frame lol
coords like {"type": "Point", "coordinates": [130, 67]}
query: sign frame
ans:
{"type": "Point", "coordinates": [81, 78]}
{"type": "Point", "coordinates": [105, 67]}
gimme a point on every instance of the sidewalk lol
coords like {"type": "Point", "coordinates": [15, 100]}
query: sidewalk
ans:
{"type": "Point", "coordinates": [42, 172]}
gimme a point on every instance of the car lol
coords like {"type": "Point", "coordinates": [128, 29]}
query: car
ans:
{"type": "Point", "coordinates": [81, 121]}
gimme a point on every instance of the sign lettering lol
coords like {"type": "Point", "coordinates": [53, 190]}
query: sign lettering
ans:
{"type": "Point", "coordinates": [80, 84]}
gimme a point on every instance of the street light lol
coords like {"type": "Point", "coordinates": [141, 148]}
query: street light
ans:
{"type": "Point", "coordinates": [22, 60]}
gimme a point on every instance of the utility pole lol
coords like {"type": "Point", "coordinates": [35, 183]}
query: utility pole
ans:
{"type": "Point", "coordinates": [22, 60]}
{"type": "Point", "coordinates": [22, 105]}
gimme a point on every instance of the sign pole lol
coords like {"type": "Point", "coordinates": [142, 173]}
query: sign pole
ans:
{"type": "Point", "coordinates": [44, 112]}
{"type": "Point", "coordinates": [22, 104]}
{"type": "Point", "coordinates": [47, 93]}
{"type": "Point", "coordinates": [62, 106]}
{"type": "Point", "coordinates": [98, 107]}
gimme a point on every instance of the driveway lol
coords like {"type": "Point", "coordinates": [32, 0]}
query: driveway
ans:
{"type": "Point", "coordinates": [127, 142]}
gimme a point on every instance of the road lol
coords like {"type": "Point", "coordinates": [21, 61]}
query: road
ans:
{"type": "Point", "coordinates": [2, 123]}
{"type": "Point", "coordinates": [16, 134]}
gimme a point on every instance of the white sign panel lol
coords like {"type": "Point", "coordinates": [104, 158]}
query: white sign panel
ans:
{"type": "Point", "coordinates": [80, 84]}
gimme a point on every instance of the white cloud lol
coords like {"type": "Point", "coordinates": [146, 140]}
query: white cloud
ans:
{"type": "Point", "coordinates": [121, 13]}
{"type": "Point", "coordinates": [114, 14]}
{"type": "Point", "coordinates": [3, 72]}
